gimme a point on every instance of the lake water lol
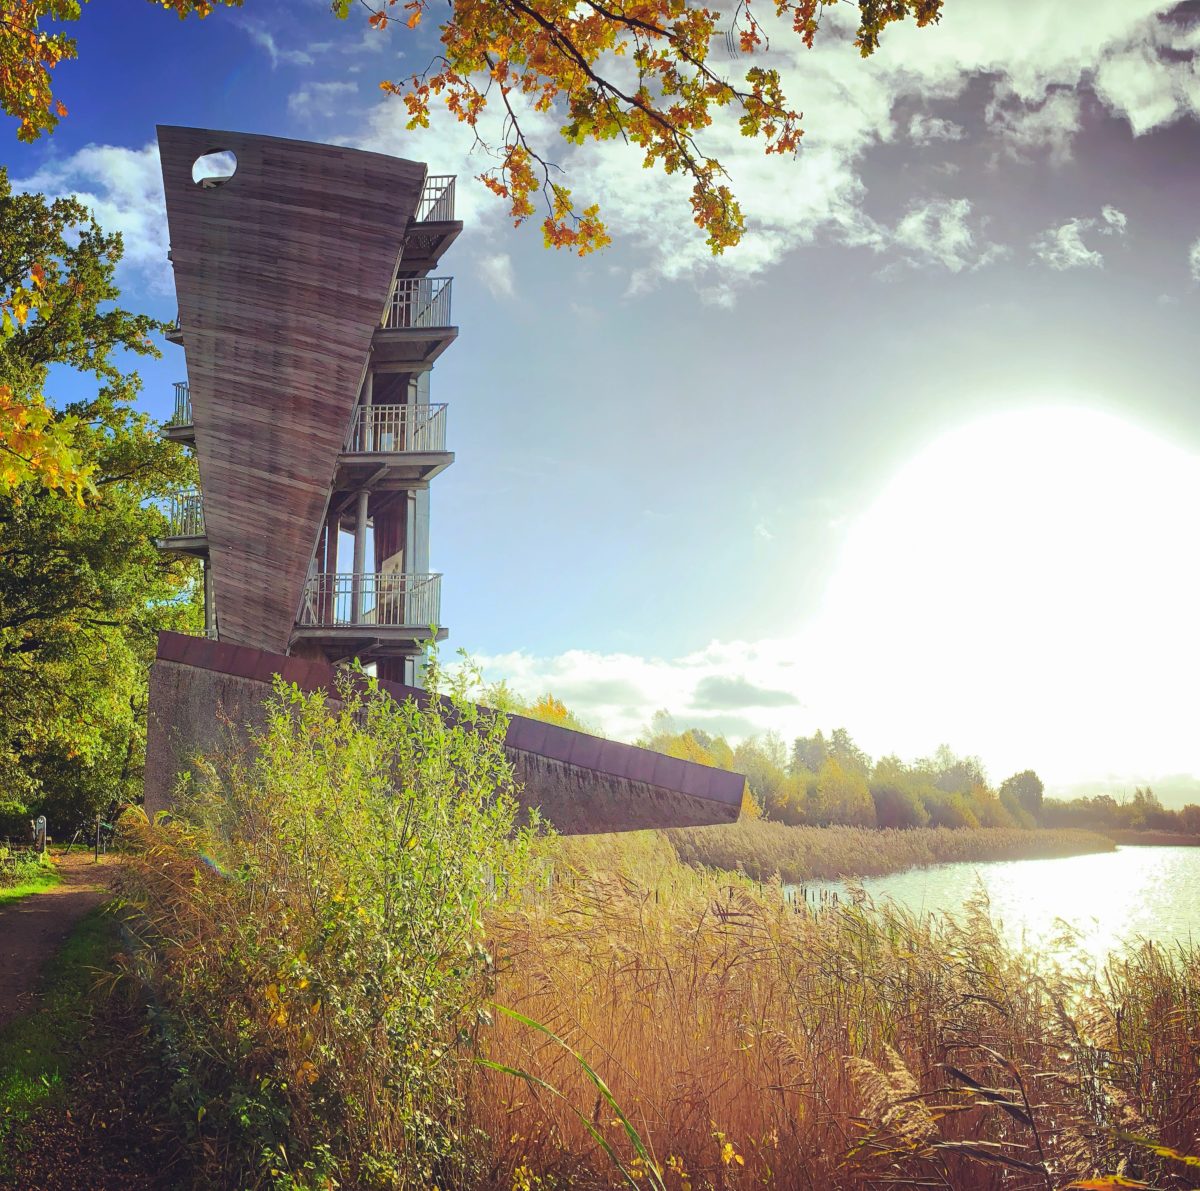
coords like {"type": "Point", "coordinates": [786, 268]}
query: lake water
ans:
{"type": "Point", "coordinates": [1107, 898]}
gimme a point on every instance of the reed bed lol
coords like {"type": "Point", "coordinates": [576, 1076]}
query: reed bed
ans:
{"type": "Point", "coordinates": [762, 849]}
{"type": "Point", "coordinates": [751, 1042]}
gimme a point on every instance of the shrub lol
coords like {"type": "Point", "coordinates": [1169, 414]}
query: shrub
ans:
{"type": "Point", "coordinates": [311, 922]}
{"type": "Point", "coordinates": [23, 867]}
{"type": "Point", "coordinates": [14, 820]}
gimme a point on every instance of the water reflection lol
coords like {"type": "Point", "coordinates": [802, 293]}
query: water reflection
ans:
{"type": "Point", "coordinates": [1108, 899]}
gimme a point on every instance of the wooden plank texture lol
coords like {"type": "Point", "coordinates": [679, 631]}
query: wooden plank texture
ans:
{"type": "Point", "coordinates": [282, 274]}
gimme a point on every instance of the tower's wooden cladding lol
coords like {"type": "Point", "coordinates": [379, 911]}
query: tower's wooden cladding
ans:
{"type": "Point", "coordinates": [282, 275]}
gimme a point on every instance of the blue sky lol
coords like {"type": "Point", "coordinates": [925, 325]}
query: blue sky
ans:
{"type": "Point", "coordinates": [667, 466]}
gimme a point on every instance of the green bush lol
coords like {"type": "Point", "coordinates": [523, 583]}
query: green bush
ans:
{"type": "Point", "coordinates": [312, 929]}
{"type": "Point", "coordinates": [14, 820]}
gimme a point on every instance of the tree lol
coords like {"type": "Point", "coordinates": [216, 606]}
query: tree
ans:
{"type": "Point", "coordinates": [56, 275]}
{"type": "Point", "coordinates": [1189, 819]}
{"type": "Point", "coordinates": [550, 710]}
{"type": "Point", "coordinates": [842, 796]}
{"type": "Point", "coordinates": [809, 753]}
{"type": "Point", "coordinates": [954, 774]}
{"type": "Point", "coordinates": [848, 754]}
{"type": "Point", "coordinates": [897, 806]}
{"type": "Point", "coordinates": [1026, 790]}
{"type": "Point", "coordinates": [761, 760]}
{"type": "Point", "coordinates": [83, 590]}
{"type": "Point", "coordinates": [639, 72]}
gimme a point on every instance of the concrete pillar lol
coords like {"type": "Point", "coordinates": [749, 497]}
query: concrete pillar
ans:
{"type": "Point", "coordinates": [360, 556]}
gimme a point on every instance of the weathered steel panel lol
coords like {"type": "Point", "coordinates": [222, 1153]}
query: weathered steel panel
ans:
{"type": "Point", "coordinates": [282, 274]}
{"type": "Point", "coordinates": [580, 783]}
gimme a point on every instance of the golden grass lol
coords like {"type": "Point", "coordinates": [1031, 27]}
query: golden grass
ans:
{"type": "Point", "coordinates": [763, 849]}
{"type": "Point", "coordinates": [753, 1043]}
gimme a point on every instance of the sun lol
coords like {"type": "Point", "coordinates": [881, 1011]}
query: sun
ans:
{"type": "Point", "coordinates": [1026, 587]}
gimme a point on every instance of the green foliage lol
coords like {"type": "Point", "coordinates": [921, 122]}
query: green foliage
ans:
{"type": "Point", "coordinates": [1026, 790]}
{"type": "Point", "coordinates": [1141, 813]}
{"type": "Point", "coordinates": [83, 590]}
{"type": "Point", "coordinates": [841, 795]}
{"type": "Point", "coordinates": [23, 872]}
{"type": "Point", "coordinates": [312, 923]}
{"type": "Point", "coordinates": [896, 805]}
{"type": "Point", "coordinates": [56, 295]}
{"type": "Point", "coordinates": [14, 819]}
{"type": "Point", "coordinates": [692, 744]}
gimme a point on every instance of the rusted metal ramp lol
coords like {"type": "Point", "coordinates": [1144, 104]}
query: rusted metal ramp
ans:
{"type": "Point", "coordinates": [200, 689]}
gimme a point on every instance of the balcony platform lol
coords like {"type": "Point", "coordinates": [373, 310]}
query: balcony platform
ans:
{"type": "Point", "coordinates": [367, 642]}
{"type": "Point", "coordinates": [388, 471]}
{"type": "Point", "coordinates": [409, 349]}
{"type": "Point", "coordinates": [424, 244]}
{"type": "Point", "coordinates": [194, 544]}
{"type": "Point", "coordinates": [180, 432]}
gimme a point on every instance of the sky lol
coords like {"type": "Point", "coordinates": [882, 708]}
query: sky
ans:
{"type": "Point", "coordinates": [921, 457]}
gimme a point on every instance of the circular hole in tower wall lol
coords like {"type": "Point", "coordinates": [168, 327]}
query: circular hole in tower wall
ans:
{"type": "Point", "coordinates": [214, 169]}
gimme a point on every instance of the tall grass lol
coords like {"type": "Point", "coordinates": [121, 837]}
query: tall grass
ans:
{"type": "Point", "coordinates": [311, 939]}
{"type": "Point", "coordinates": [763, 849]}
{"type": "Point", "coordinates": [324, 929]}
{"type": "Point", "coordinates": [754, 1043]}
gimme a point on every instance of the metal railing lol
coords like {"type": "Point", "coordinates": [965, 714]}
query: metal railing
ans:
{"type": "Point", "coordinates": [185, 512]}
{"type": "Point", "coordinates": [388, 428]}
{"type": "Point", "coordinates": [419, 302]}
{"type": "Point", "coordinates": [384, 598]}
{"type": "Point", "coordinates": [437, 199]}
{"type": "Point", "coordinates": [183, 404]}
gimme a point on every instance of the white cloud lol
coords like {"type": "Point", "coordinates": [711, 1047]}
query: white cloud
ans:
{"type": "Point", "coordinates": [320, 101]}
{"type": "Point", "coordinates": [923, 129]}
{"type": "Point", "coordinates": [1025, 129]}
{"type": "Point", "coordinates": [123, 188]}
{"type": "Point", "coordinates": [940, 233]}
{"type": "Point", "coordinates": [1039, 59]}
{"type": "Point", "coordinates": [909, 664]}
{"type": "Point", "coordinates": [496, 269]}
{"type": "Point", "coordinates": [1063, 247]}
{"type": "Point", "coordinates": [1116, 220]}
{"type": "Point", "coordinates": [1140, 85]}
{"type": "Point", "coordinates": [265, 40]}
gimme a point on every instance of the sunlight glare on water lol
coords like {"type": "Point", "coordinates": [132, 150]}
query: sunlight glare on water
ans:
{"type": "Point", "coordinates": [1108, 899]}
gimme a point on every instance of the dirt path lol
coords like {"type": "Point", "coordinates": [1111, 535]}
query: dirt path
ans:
{"type": "Point", "coordinates": [33, 929]}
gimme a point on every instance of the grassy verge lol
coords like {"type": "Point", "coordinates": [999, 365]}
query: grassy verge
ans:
{"type": "Point", "coordinates": [762, 849]}
{"type": "Point", "coordinates": [38, 1050]}
{"type": "Point", "coordinates": [42, 881]}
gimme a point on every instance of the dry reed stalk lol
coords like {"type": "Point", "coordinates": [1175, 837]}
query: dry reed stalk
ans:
{"type": "Point", "coordinates": [753, 1043]}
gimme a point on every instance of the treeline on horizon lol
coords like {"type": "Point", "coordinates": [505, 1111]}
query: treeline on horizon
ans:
{"type": "Point", "coordinates": [828, 780]}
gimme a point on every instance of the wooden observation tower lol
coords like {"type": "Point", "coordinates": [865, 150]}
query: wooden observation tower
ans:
{"type": "Point", "coordinates": [310, 321]}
